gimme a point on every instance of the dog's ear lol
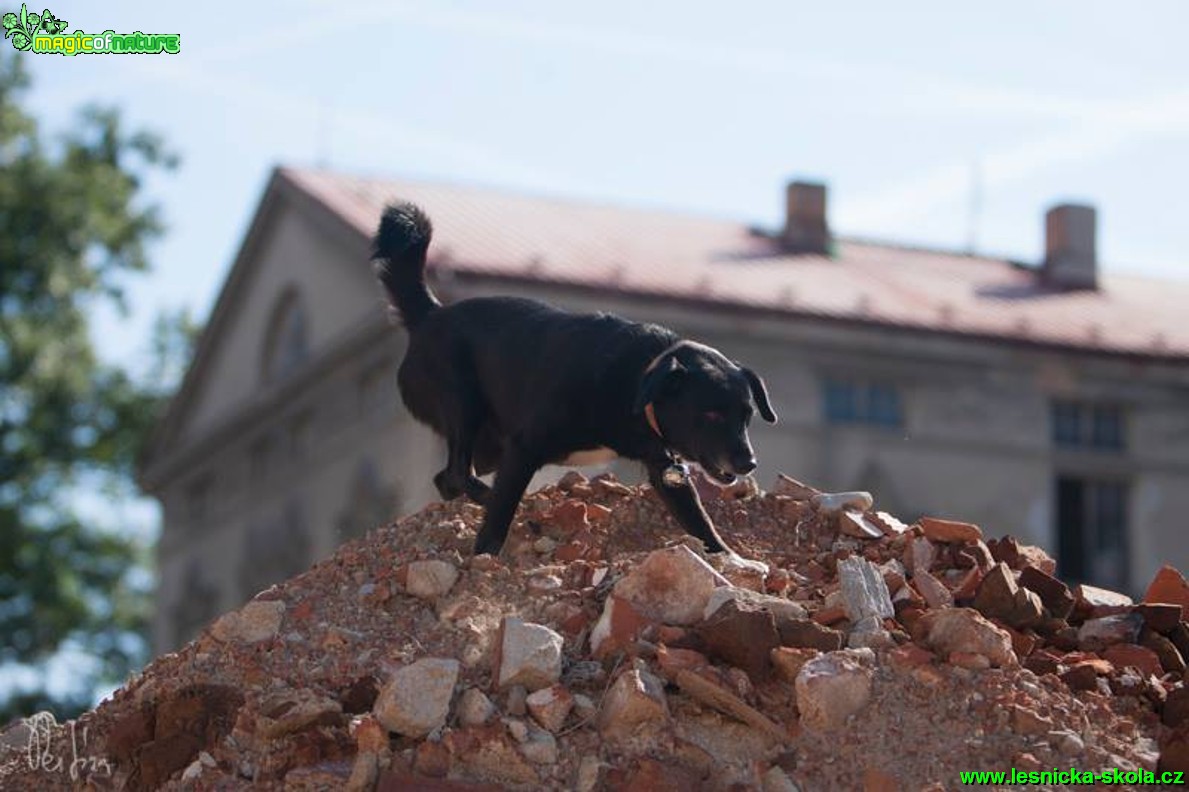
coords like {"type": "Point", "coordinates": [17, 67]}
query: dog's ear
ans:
{"type": "Point", "coordinates": [760, 394]}
{"type": "Point", "coordinates": [662, 380]}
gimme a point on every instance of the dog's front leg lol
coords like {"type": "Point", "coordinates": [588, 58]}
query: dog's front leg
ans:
{"type": "Point", "coordinates": [515, 471]}
{"type": "Point", "coordinates": [686, 507]}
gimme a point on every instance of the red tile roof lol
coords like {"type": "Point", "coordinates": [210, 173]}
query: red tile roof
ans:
{"type": "Point", "coordinates": [687, 257]}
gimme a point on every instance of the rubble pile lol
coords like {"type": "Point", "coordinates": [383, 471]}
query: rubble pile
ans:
{"type": "Point", "coordinates": [604, 650]}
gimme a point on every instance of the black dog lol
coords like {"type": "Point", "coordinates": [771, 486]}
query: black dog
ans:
{"type": "Point", "coordinates": [514, 384]}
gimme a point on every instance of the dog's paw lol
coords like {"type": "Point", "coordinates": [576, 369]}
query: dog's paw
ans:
{"type": "Point", "coordinates": [486, 545]}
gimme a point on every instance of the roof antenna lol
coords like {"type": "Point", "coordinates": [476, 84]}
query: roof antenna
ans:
{"type": "Point", "coordinates": [975, 216]}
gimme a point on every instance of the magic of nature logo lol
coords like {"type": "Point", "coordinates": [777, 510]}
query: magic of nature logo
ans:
{"type": "Point", "coordinates": [45, 33]}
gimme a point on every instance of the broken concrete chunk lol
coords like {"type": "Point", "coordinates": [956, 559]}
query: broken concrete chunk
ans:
{"type": "Point", "coordinates": [728, 703]}
{"type": "Point", "coordinates": [778, 606]}
{"type": "Point", "coordinates": [889, 523]}
{"type": "Point", "coordinates": [964, 630]}
{"type": "Point", "coordinates": [287, 711]}
{"type": "Point", "coordinates": [788, 661]}
{"type": "Point", "coordinates": [526, 654]}
{"type": "Point", "coordinates": [869, 632]}
{"type": "Point", "coordinates": [932, 590]}
{"type": "Point", "coordinates": [617, 628]}
{"type": "Point", "coordinates": [1124, 655]}
{"type": "Point", "coordinates": [1093, 602]}
{"type": "Point", "coordinates": [539, 747]}
{"type": "Point", "coordinates": [919, 554]}
{"type": "Point", "coordinates": [1168, 586]}
{"type": "Point", "coordinates": [635, 700]}
{"type": "Point", "coordinates": [671, 585]}
{"type": "Point", "coordinates": [786, 485]}
{"type": "Point", "coordinates": [550, 706]}
{"type": "Point", "coordinates": [475, 708]}
{"type": "Point", "coordinates": [999, 597]}
{"type": "Point", "coordinates": [1161, 617]}
{"type": "Point", "coordinates": [807, 633]}
{"type": "Point", "coordinates": [742, 634]}
{"type": "Point", "coordinates": [864, 592]}
{"type": "Point", "coordinates": [1171, 659]}
{"type": "Point", "coordinates": [855, 523]}
{"type": "Point", "coordinates": [939, 530]}
{"type": "Point", "coordinates": [830, 688]}
{"type": "Point", "coordinates": [257, 621]}
{"type": "Point", "coordinates": [835, 502]}
{"type": "Point", "coordinates": [417, 698]}
{"type": "Point", "coordinates": [1054, 594]}
{"type": "Point", "coordinates": [431, 579]}
{"type": "Point", "coordinates": [1101, 632]}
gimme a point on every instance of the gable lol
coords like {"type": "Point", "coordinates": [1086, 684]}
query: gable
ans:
{"type": "Point", "coordinates": [300, 285]}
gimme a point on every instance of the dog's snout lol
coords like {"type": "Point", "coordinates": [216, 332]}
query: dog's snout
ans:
{"type": "Point", "coordinates": [744, 464]}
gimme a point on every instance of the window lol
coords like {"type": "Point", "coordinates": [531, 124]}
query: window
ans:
{"type": "Point", "coordinates": [286, 345]}
{"type": "Point", "coordinates": [871, 403]}
{"type": "Point", "coordinates": [1092, 531]}
{"type": "Point", "coordinates": [1081, 425]}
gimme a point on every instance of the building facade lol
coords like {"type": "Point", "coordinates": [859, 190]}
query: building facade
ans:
{"type": "Point", "coordinates": [1045, 401]}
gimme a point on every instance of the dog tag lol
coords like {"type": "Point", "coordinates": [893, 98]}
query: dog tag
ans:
{"type": "Point", "coordinates": [676, 475]}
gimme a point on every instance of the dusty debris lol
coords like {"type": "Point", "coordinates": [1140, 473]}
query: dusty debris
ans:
{"type": "Point", "coordinates": [605, 651]}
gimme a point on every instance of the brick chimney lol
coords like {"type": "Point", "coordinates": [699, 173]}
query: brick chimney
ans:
{"type": "Point", "coordinates": [1071, 250]}
{"type": "Point", "coordinates": [805, 227]}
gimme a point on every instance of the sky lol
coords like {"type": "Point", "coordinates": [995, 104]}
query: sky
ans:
{"type": "Point", "coordinates": [938, 124]}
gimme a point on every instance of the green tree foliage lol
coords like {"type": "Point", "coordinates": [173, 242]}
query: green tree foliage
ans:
{"type": "Point", "coordinates": [73, 225]}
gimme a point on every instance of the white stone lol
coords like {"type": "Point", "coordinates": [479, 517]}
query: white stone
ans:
{"type": "Point", "coordinates": [417, 698]}
{"type": "Point", "coordinates": [830, 688]}
{"type": "Point", "coordinates": [528, 654]}
{"type": "Point", "coordinates": [671, 585]}
{"type": "Point", "coordinates": [475, 708]}
{"type": "Point", "coordinates": [834, 502]}
{"type": "Point", "coordinates": [864, 592]}
{"type": "Point", "coordinates": [431, 579]}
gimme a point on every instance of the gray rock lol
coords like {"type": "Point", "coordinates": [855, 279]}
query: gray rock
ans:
{"type": "Point", "coordinates": [417, 698]}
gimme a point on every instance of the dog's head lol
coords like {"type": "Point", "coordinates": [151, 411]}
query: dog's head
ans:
{"type": "Point", "coordinates": [701, 404]}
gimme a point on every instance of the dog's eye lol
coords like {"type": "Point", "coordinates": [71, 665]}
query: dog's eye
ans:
{"type": "Point", "coordinates": [714, 416]}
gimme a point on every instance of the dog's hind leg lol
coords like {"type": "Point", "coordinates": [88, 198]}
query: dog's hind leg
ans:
{"type": "Point", "coordinates": [458, 478]}
{"type": "Point", "coordinates": [515, 471]}
{"type": "Point", "coordinates": [685, 506]}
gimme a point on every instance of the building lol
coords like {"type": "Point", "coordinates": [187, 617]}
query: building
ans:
{"type": "Point", "coordinates": [1047, 401]}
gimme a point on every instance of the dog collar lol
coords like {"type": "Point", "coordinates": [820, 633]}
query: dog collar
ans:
{"type": "Point", "coordinates": [650, 414]}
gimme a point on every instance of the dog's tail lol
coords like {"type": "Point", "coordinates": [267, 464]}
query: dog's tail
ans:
{"type": "Point", "coordinates": [399, 261]}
